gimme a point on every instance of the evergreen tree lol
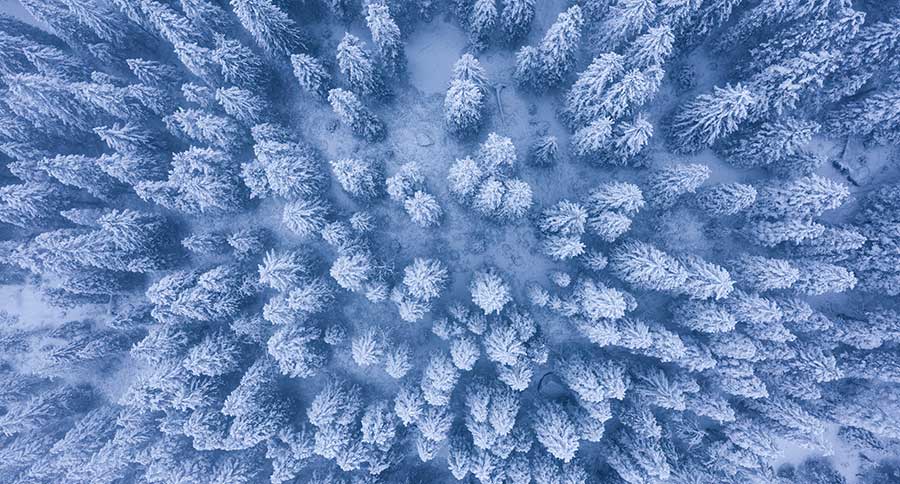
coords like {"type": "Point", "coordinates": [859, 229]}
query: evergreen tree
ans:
{"type": "Point", "coordinates": [615, 196]}
{"type": "Point", "coordinates": [463, 178]}
{"type": "Point", "coordinates": [528, 68]}
{"type": "Point", "coordinates": [634, 89]}
{"type": "Point", "coordinates": [544, 151]}
{"type": "Point", "coordinates": [670, 183]}
{"type": "Point", "coordinates": [555, 430]}
{"type": "Point", "coordinates": [564, 218]}
{"type": "Point", "coordinates": [648, 268]}
{"type": "Point", "coordinates": [821, 277]}
{"type": "Point", "coordinates": [205, 127]}
{"type": "Point", "coordinates": [704, 316]}
{"type": "Point", "coordinates": [202, 180]}
{"type": "Point", "coordinates": [516, 201]}
{"type": "Point", "coordinates": [205, 15]}
{"type": "Point", "coordinates": [438, 381]}
{"type": "Point", "coordinates": [652, 48]}
{"type": "Point", "coordinates": [609, 226]}
{"type": "Point", "coordinates": [706, 280]}
{"type": "Point", "coordinates": [352, 271]}
{"type": "Point", "coordinates": [871, 51]}
{"type": "Point", "coordinates": [726, 199]}
{"type": "Point", "coordinates": [559, 45]}
{"type": "Point", "coordinates": [397, 361]}
{"type": "Point", "coordinates": [368, 347]}
{"type": "Point", "coordinates": [764, 274]}
{"type": "Point", "coordinates": [562, 247]}
{"type": "Point", "coordinates": [770, 234]}
{"type": "Point", "coordinates": [771, 142]}
{"type": "Point", "coordinates": [781, 86]}
{"type": "Point", "coordinates": [46, 101]}
{"type": "Point", "coordinates": [874, 117]}
{"type": "Point", "coordinates": [515, 18]}
{"type": "Point", "coordinates": [217, 354]}
{"type": "Point", "coordinates": [482, 21]}
{"type": "Point", "coordinates": [311, 74]}
{"type": "Point", "coordinates": [496, 156]}
{"type": "Point", "coordinates": [592, 141]}
{"type": "Point", "coordinates": [803, 197]}
{"type": "Point", "coordinates": [357, 66]}
{"type": "Point", "coordinates": [467, 68]}
{"type": "Point", "coordinates": [357, 117]}
{"type": "Point", "coordinates": [425, 278]}
{"type": "Point", "coordinates": [285, 269]}
{"type": "Point", "coordinates": [305, 217]}
{"type": "Point", "coordinates": [405, 182]}
{"type": "Point", "coordinates": [423, 209]}
{"type": "Point", "coordinates": [359, 178]}
{"type": "Point", "coordinates": [627, 18]}
{"type": "Point", "coordinates": [708, 118]}
{"type": "Point", "coordinates": [271, 28]}
{"type": "Point", "coordinates": [465, 353]}
{"type": "Point", "coordinates": [463, 107]}
{"type": "Point", "coordinates": [631, 139]}
{"type": "Point", "coordinates": [288, 169]}
{"type": "Point", "coordinates": [386, 36]}
{"type": "Point", "coordinates": [489, 291]}
{"type": "Point", "coordinates": [80, 172]}
{"type": "Point", "coordinates": [171, 25]}
{"type": "Point", "coordinates": [243, 105]}
{"type": "Point", "coordinates": [237, 63]}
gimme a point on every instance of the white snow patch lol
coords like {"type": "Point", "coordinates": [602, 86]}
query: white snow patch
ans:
{"type": "Point", "coordinates": [431, 52]}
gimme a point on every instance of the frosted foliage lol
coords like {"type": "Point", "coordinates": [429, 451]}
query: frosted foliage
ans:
{"type": "Point", "coordinates": [485, 241]}
{"type": "Point", "coordinates": [489, 292]}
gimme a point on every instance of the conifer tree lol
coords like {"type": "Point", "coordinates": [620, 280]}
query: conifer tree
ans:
{"type": "Point", "coordinates": [489, 291]}
{"type": "Point", "coordinates": [670, 183]}
{"type": "Point", "coordinates": [515, 18]}
{"type": "Point", "coordinates": [463, 107]}
{"type": "Point", "coordinates": [528, 68]}
{"type": "Point", "coordinates": [386, 36]}
{"type": "Point", "coordinates": [202, 180]}
{"type": "Point", "coordinates": [544, 151]}
{"type": "Point", "coordinates": [592, 141]}
{"type": "Point", "coordinates": [627, 18]}
{"type": "Point", "coordinates": [710, 117]}
{"type": "Point", "coordinates": [271, 28]}
{"type": "Point", "coordinates": [359, 178]}
{"type": "Point", "coordinates": [559, 45]}
{"type": "Point", "coordinates": [770, 234]}
{"type": "Point", "coordinates": [764, 274]}
{"type": "Point", "coordinates": [482, 21]}
{"type": "Point", "coordinates": [357, 117]}
{"type": "Point", "coordinates": [726, 199]}
{"type": "Point", "coordinates": [803, 197]}
{"type": "Point", "coordinates": [237, 63]}
{"type": "Point", "coordinates": [652, 48]}
{"type": "Point", "coordinates": [311, 74]}
{"type": "Point", "coordinates": [555, 430]}
{"type": "Point", "coordinates": [242, 104]}
{"type": "Point", "coordinates": [357, 66]}
{"type": "Point", "coordinates": [423, 209]}
{"type": "Point", "coordinates": [468, 68]}
{"type": "Point", "coordinates": [584, 99]}
{"type": "Point", "coordinates": [305, 217]}
{"type": "Point", "coordinates": [616, 196]}
{"type": "Point", "coordinates": [771, 142]}
{"type": "Point", "coordinates": [647, 267]}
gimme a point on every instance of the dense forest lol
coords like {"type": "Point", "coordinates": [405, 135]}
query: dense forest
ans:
{"type": "Point", "coordinates": [436, 241]}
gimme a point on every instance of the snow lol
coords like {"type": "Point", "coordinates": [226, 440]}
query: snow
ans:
{"type": "Point", "coordinates": [431, 51]}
